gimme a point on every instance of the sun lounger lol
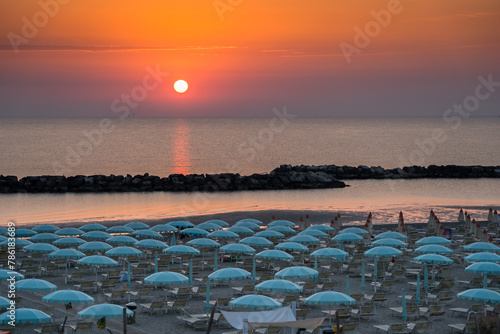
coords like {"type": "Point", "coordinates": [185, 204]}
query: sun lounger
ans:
{"type": "Point", "coordinates": [419, 327]}
{"type": "Point", "coordinates": [393, 329]}
{"type": "Point", "coordinates": [465, 311]}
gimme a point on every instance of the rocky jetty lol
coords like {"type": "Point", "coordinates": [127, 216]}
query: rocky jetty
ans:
{"type": "Point", "coordinates": [283, 177]}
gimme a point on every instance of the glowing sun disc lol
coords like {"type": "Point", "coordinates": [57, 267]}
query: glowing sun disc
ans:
{"type": "Point", "coordinates": [180, 86]}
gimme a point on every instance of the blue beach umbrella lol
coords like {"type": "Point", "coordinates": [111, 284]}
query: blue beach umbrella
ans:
{"type": "Point", "coordinates": [123, 251]}
{"type": "Point", "coordinates": [335, 253]}
{"type": "Point", "coordinates": [355, 230]}
{"type": "Point", "coordinates": [24, 233]}
{"type": "Point", "coordinates": [96, 236]}
{"type": "Point", "coordinates": [389, 242]}
{"type": "Point", "coordinates": [121, 240]}
{"type": "Point", "coordinates": [314, 233]}
{"type": "Point", "coordinates": [270, 234]}
{"type": "Point", "coordinates": [281, 223]}
{"type": "Point", "coordinates": [292, 247]}
{"type": "Point", "coordinates": [297, 272]}
{"type": "Point", "coordinates": [18, 243]}
{"type": "Point", "coordinates": [482, 247]}
{"type": "Point", "coordinates": [164, 228]}
{"type": "Point", "coordinates": [120, 229]}
{"type": "Point", "coordinates": [433, 259]}
{"type": "Point", "coordinates": [279, 285]}
{"type": "Point", "coordinates": [98, 261]}
{"type": "Point", "coordinates": [225, 234]}
{"type": "Point", "coordinates": [209, 227]}
{"type": "Point", "coordinates": [68, 242]}
{"type": "Point", "coordinates": [45, 237]}
{"type": "Point", "coordinates": [151, 244]}
{"type": "Point", "coordinates": [219, 222]}
{"type": "Point", "coordinates": [255, 302]}
{"type": "Point", "coordinates": [45, 228]}
{"type": "Point", "coordinates": [68, 296]}
{"type": "Point", "coordinates": [330, 298]}
{"type": "Point", "coordinates": [137, 226]}
{"type": "Point", "coordinates": [66, 254]}
{"type": "Point", "coordinates": [249, 225]}
{"type": "Point", "coordinates": [40, 248]}
{"type": "Point", "coordinates": [433, 249]}
{"type": "Point", "coordinates": [483, 257]}
{"type": "Point", "coordinates": [93, 227]}
{"type": "Point", "coordinates": [109, 311]}
{"type": "Point", "coordinates": [432, 241]}
{"type": "Point", "coordinates": [241, 231]}
{"type": "Point", "coordinates": [274, 254]}
{"type": "Point", "coordinates": [226, 274]}
{"type": "Point", "coordinates": [391, 235]}
{"type": "Point", "coordinates": [35, 285]}
{"type": "Point", "coordinates": [250, 220]}
{"type": "Point", "coordinates": [484, 268]}
{"type": "Point", "coordinates": [203, 243]}
{"type": "Point", "coordinates": [256, 242]}
{"type": "Point", "coordinates": [69, 232]}
{"type": "Point", "coordinates": [166, 278]}
{"type": "Point", "coordinates": [237, 249]}
{"type": "Point", "coordinates": [480, 295]}
{"type": "Point", "coordinates": [197, 232]}
{"type": "Point", "coordinates": [304, 239]}
{"type": "Point", "coordinates": [181, 250]}
{"type": "Point", "coordinates": [24, 316]}
{"type": "Point", "coordinates": [321, 227]}
{"type": "Point", "coordinates": [147, 234]}
{"type": "Point", "coordinates": [94, 246]}
{"type": "Point", "coordinates": [7, 274]}
{"type": "Point", "coordinates": [381, 251]}
{"type": "Point", "coordinates": [282, 229]}
{"type": "Point", "coordinates": [180, 224]}
{"type": "Point", "coordinates": [347, 237]}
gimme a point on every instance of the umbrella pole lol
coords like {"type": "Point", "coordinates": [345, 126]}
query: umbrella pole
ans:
{"type": "Point", "coordinates": [215, 259]}
{"type": "Point", "coordinates": [363, 277]}
{"type": "Point", "coordinates": [66, 276]}
{"type": "Point", "coordinates": [316, 263]}
{"type": "Point", "coordinates": [253, 270]}
{"type": "Point", "coordinates": [207, 298]}
{"type": "Point", "coordinates": [485, 280]}
{"type": "Point", "coordinates": [403, 302]}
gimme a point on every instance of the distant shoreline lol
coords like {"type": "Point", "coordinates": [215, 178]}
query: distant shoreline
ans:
{"type": "Point", "coordinates": [285, 177]}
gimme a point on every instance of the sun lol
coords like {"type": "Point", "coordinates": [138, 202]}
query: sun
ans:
{"type": "Point", "coordinates": [180, 86]}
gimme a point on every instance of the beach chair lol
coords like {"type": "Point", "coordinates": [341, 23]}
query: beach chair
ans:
{"type": "Point", "coordinates": [153, 306]}
{"type": "Point", "coordinates": [178, 305]}
{"type": "Point", "coordinates": [327, 286]}
{"type": "Point", "coordinates": [467, 328]}
{"type": "Point", "coordinates": [464, 311]}
{"type": "Point", "coordinates": [411, 311]}
{"type": "Point", "coordinates": [288, 299]}
{"type": "Point", "coordinates": [476, 281]}
{"type": "Point", "coordinates": [349, 328]}
{"type": "Point", "coordinates": [436, 312]}
{"type": "Point", "coordinates": [383, 286]}
{"type": "Point", "coordinates": [247, 288]}
{"type": "Point", "coordinates": [106, 285]}
{"type": "Point", "coordinates": [83, 328]}
{"type": "Point", "coordinates": [302, 313]}
{"type": "Point", "coordinates": [115, 296]}
{"type": "Point", "coordinates": [51, 269]}
{"type": "Point", "coordinates": [393, 328]}
{"type": "Point", "coordinates": [199, 291]}
{"type": "Point", "coordinates": [364, 311]}
{"type": "Point", "coordinates": [75, 277]}
{"type": "Point", "coordinates": [359, 297]}
{"type": "Point", "coordinates": [419, 327]}
{"type": "Point", "coordinates": [378, 297]}
{"type": "Point", "coordinates": [194, 322]}
{"type": "Point", "coordinates": [441, 297]}
{"type": "Point", "coordinates": [86, 286]}
{"type": "Point", "coordinates": [221, 302]}
{"type": "Point", "coordinates": [48, 328]}
{"type": "Point", "coordinates": [184, 292]}
{"type": "Point", "coordinates": [144, 293]}
{"type": "Point", "coordinates": [309, 288]}
{"type": "Point", "coordinates": [222, 322]}
{"type": "Point", "coordinates": [323, 277]}
{"type": "Point", "coordinates": [31, 271]}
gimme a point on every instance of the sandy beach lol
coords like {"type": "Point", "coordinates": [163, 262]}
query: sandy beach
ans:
{"type": "Point", "coordinates": [170, 323]}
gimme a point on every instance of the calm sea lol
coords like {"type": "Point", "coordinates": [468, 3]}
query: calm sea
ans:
{"type": "Point", "coordinates": [165, 146]}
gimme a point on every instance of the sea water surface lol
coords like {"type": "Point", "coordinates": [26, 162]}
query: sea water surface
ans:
{"type": "Point", "coordinates": [165, 146]}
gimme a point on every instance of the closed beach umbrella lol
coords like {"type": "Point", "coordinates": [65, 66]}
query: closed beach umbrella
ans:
{"type": "Point", "coordinates": [282, 229]}
{"type": "Point", "coordinates": [18, 243]}
{"type": "Point", "coordinates": [24, 233]}
{"type": "Point", "coordinates": [209, 227]}
{"type": "Point", "coordinates": [94, 246]}
{"type": "Point", "coordinates": [120, 229]}
{"type": "Point", "coordinates": [151, 244]}
{"type": "Point", "coordinates": [225, 234]}
{"type": "Point", "coordinates": [123, 251]}
{"type": "Point", "coordinates": [256, 242]}
{"type": "Point", "coordinates": [433, 249]}
{"type": "Point", "coordinates": [320, 227]}
{"type": "Point", "coordinates": [281, 223]}
{"type": "Point", "coordinates": [35, 285]}
{"type": "Point", "coordinates": [40, 248]}
{"type": "Point", "coordinates": [314, 233]}
{"type": "Point", "coordinates": [254, 302]}
{"type": "Point", "coordinates": [304, 239]}
{"type": "Point", "coordinates": [197, 232]}
{"type": "Point", "coordinates": [121, 240]}
{"type": "Point", "coordinates": [279, 285]}
{"type": "Point", "coordinates": [482, 247]}
{"type": "Point", "coordinates": [24, 316]}
{"type": "Point", "coordinates": [109, 311]}
{"type": "Point", "coordinates": [241, 231]}
{"type": "Point", "coordinates": [484, 268]}
{"type": "Point", "coordinates": [219, 222]}
{"type": "Point", "coordinates": [147, 234]}
{"type": "Point", "coordinates": [391, 235]}
{"type": "Point", "coordinates": [291, 246]}
{"type": "Point", "coordinates": [181, 224]}
{"type": "Point", "coordinates": [164, 228]}
{"type": "Point", "coordinates": [355, 230]}
{"type": "Point", "coordinates": [432, 241]}
{"type": "Point", "coordinates": [45, 228]}
{"type": "Point", "coordinates": [69, 232]}
{"type": "Point", "coordinates": [68, 242]}
{"type": "Point", "coordinates": [270, 234]}
{"type": "Point", "coordinates": [249, 225]}
{"type": "Point", "coordinates": [389, 242]}
{"type": "Point", "coordinates": [483, 257]}
{"type": "Point", "coordinates": [137, 226]}
{"type": "Point", "coordinates": [68, 296]}
{"type": "Point", "coordinates": [274, 254]}
{"type": "Point", "coordinates": [96, 236]}
{"type": "Point", "coordinates": [237, 249]}
{"type": "Point", "coordinates": [93, 227]}
{"type": "Point", "coordinates": [45, 237]}
{"type": "Point", "coordinates": [250, 220]}
{"type": "Point", "coordinates": [297, 272]}
{"type": "Point", "coordinates": [203, 243]}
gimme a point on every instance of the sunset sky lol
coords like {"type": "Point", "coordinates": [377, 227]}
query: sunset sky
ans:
{"type": "Point", "coordinates": [246, 58]}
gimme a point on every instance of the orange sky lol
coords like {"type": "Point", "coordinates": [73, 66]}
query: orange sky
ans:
{"type": "Point", "coordinates": [262, 54]}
